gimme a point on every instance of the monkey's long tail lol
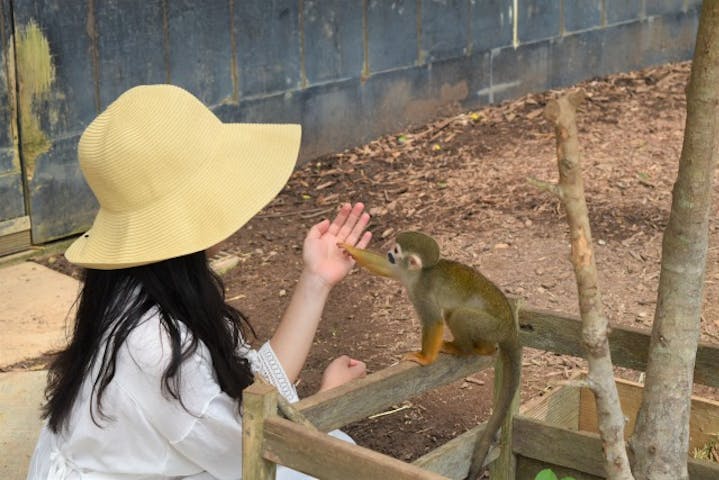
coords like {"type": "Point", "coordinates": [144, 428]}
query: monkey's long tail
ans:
{"type": "Point", "coordinates": [511, 367]}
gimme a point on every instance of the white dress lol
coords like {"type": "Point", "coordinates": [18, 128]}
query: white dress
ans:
{"type": "Point", "coordinates": [145, 434]}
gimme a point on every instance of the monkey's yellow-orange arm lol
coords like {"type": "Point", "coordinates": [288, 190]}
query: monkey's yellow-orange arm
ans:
{"type": "Point", "coordinates": [373, 262]}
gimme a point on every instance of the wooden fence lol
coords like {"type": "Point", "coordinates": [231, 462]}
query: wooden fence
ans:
{"type": "Point", "coordinates": [270, 439]}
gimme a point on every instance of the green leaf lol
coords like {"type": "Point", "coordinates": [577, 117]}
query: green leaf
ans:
{"type": "Point", "coordinates": [546, 474]}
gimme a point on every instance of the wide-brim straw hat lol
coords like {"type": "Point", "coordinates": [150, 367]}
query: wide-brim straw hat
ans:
{"type": "Point", "coordinates": [172, 179]}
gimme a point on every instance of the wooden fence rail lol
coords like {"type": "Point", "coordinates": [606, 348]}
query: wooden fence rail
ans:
{"type": "Point", "coordinates": [563, 334]}
{"type": "Point", "coordinates": [357, 400]}
{"type": "Point", "coordinates": [269, 439]}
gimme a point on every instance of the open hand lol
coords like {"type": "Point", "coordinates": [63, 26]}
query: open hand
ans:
{"type": "Point", "coordinates": [320, 252]}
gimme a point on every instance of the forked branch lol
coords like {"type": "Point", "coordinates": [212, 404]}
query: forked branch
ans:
{"type": "Point", "coordinates": [600, 379]}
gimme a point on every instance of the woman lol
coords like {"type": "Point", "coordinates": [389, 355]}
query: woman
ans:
{"type": "Point", "coordinates": [150, 384]}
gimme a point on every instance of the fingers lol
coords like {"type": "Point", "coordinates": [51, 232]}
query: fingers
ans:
{"type": "Point", "coordinates": [358, 228]}
{"type": "Point", "coordinates": [364, 241]}
{"type": "Point", "coordinates": [319, 229]}
{"type": "Point", "coordinates": [340, 219]}
{"type": "Point", "coordinates": [349, 223]}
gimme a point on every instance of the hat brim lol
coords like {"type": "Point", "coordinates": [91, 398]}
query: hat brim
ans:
{"type": "Point", "coordinates": [249, 167]}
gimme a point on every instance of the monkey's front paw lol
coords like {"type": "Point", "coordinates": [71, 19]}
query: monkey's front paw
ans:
{"type": "Point", "coordinates": [417, 357]}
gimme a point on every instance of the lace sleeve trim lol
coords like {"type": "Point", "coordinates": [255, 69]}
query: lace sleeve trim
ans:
{"type": "Point", "coordinates": [265, 362]}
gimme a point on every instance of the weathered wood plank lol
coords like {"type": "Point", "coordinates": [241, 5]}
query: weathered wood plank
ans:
{"type": "Point", "coordinates": [14, 242]}
{"type": "Point", "coordinates": [560, 408]}
{"type": "Point", "coordinates": [703, 423]}
{"type": "Point", "coordinates": [581, 451]}
{"type": "Point", "coordinates": [358, 399]}
{"type": "Point", "coordinates": [578, 450]}
{"type": "Point", "coordinates": [259, 403]}
{"type": "Point", "coordinates": [452, 459]}
{"type": "Point", "coordinates": [326, 457]}
{"type": "Point", "coordinates": [562, 334]}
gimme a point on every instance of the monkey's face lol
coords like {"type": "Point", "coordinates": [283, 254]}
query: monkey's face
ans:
{"type": "Point", "coordinates": [404, 260]}
{"type": "Point", "coordinates": [397, 263]}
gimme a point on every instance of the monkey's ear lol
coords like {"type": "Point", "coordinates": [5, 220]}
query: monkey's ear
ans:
{"type": "Point", "coordinates": [414, 262]}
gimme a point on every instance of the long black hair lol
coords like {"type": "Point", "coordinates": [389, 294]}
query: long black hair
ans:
{"type": "Point", "coordinates": [112, 303]}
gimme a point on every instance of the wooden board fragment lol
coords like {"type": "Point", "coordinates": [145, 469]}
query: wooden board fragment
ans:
{"type": "Point", "coordinates": [452, 459]}
{"type": "Point", "coordinates": [558, 446]}
{"type": "Point", "coordinates": [581, 451]}
{"type": "Point", "coordinates": [326, 457]}
{"type": "Point", "coordinates": [560, 407]}
{"type": "Point", "coordinates": [703, 423]}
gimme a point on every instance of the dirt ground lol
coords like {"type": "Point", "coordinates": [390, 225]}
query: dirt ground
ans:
{"type": "Point", "coordinates": [463, 179]}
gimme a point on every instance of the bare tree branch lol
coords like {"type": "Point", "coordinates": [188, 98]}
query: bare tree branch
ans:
{"type": "Point", "coordinates": [550, 187]}
{"type": "Point", "coordinates": [562, 113]}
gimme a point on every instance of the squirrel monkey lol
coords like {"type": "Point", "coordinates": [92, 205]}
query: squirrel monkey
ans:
{"type": "Point", "coordinates": [476, 311]}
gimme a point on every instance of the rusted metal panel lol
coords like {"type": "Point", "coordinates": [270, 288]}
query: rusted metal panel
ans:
{"type": "Point", "coordinates": [445, 29]}
{"type": "Point", "coordinates": [57, 99]}
{"type": "Point", "coordinates": [332, 40]}
{"type": "Point", "coordinates": [131, 45]}
{"type": "Point", "coordinates": [199, 48]}
{"type": "Point", "coordinates": [393, 36]}
{"type": "Point", "coordinates": [268, 45]}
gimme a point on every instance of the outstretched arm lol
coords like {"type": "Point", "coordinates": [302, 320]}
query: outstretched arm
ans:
{"type": "Point", "coordinates": [325, 265]}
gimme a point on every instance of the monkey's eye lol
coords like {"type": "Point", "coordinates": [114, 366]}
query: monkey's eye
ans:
{"type": "Point", "coordinates": [390, 257]}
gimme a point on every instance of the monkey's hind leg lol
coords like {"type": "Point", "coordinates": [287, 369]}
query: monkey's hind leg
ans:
{"type": "Point", "coordinates": [431, 343]}
{"type": "Point", "coordinates": [479, 347]}
{"type": "Point", "coordinates": [484, 348]}
{"type": "Point", "coordinates": [472, 331]}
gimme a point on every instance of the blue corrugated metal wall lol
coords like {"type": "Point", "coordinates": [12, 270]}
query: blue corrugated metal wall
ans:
{"type": "Point", "coordinates": [349, 71]}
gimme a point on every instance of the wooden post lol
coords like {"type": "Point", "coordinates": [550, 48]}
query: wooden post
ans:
{"type": "Point", "coordinates": [259, 402]}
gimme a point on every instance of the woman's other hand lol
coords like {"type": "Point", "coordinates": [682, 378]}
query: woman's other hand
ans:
{"type": "Point", "coordinates": [342, 370]}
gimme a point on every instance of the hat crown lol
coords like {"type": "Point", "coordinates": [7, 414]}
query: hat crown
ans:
{"type": "Point", "coordinates": [145, 145]}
